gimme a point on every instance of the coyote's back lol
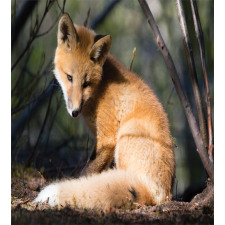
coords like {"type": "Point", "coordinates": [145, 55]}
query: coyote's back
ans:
{"type": "Point", "coordinates": [129, 124]}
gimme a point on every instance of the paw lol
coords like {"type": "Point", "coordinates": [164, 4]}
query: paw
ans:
{"type": "Point", "coordinates": [49, 194]}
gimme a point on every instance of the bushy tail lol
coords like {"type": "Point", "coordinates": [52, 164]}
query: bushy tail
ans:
{"type": "Point", "coordinates": [112, 188]}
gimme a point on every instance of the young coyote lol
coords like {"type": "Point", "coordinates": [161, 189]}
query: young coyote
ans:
{"type": "Point", "coordinates": [126, 118]}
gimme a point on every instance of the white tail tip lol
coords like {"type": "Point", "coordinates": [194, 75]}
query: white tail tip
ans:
{"type": "Point", "coordinates": [49, 194]}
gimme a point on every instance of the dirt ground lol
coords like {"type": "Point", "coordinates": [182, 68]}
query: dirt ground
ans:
{"type": "Point", "coordinates": [26, 184]}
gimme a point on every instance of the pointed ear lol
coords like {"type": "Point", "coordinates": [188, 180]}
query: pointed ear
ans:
{"type": "Point", "coordinates": [67, 34]}
{"type": "Point", "coordinates": [100, 48]}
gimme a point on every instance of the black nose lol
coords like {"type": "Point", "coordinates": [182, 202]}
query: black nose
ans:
{"type": "Point", "coordinates": [75, 113]}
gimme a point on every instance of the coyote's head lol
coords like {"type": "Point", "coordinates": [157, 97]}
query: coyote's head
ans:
{"type": "Point", "coordinates": [79, 59]}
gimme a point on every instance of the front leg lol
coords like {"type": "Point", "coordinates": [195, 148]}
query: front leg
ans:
{"type": "Point", "coordinates": [100, 159]}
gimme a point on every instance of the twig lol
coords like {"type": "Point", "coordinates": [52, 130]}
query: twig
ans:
{"type": "Point", "coordinates": [18, 107]}
{"type": "Point", "coordinates": [41, 130]}
{"type": "Point", "coordinates": [25, 201]}
{"type": "Point", "coordinates": [193, 73]}
{"type": "Point", "coordinates": [29, 86]}
{"type": "Point", "coordinates": [52, 122]}
{"type": "Point", "coordinates": [184, 101]}
{"type": "Point", "coordinates": [35, 32]}
{"type": "Point", "coordinates": [170, 95]}
{"type": "Point", "coordinates": [26, 114]}
{"type": "Point", "coordinates": [59, 6]}
{"type": "Point", "coordinates": [134, 52]}
{"type": "Point", "coordinates": [103, 15]}
{"type": "Point", "coordinates": [201, 45]}
{"type": "Point", "coordinates": [20, 78]}
{"type": "Point", "coordinates": [63, 8]}
{"type": "Point", "coordinates": [21, 203]}
{"type": "Point", "coordinates": [49, 29]}
{"type": "Point", "coordinates": [64, 3]}
{"type": "Point", "coordinates": [44, 147]}
{"type": "Point", "coordinates": [21, 18]}
{"type": "Point", "coordinates": [33, 101]}
{"type": "Point", "coordinates": [87, 17]}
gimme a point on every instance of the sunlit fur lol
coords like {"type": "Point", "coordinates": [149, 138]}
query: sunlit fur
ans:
{"type": "Point", "coordinates": [127, 119]}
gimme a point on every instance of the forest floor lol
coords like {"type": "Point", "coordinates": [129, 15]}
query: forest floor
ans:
{"type": "Point", "coordinates": [26, 184]}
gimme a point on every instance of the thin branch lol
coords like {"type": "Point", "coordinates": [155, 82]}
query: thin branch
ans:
{"type": "Point", "coordinates": [64, 4]}
{"type": "Point", "coordinates": [50, 28]}
{"type": "Point", "coordinates": [201, 45]}
{"type": "Point", "coordinates": [21, 18]}
{"type": "Point", "coordinates": [27, 112]}
{"type": "Point", "coordinates": [193, 73]}
{"type": "Point", "coordinates": [59, 6]}
{"type": "Point", "coordinates": [30, 86]}
{"type": "Point", "coordinates": [58, 105]}
{"type": "Point", "coordinates": [184, 101]}
{"type": "Point", "coordinates": [103, 15]}
{"type": "Point", "coordinates": [41, 130]}
{"type": "Point", "coordinates": [20, 78]}
{"type": "Point", "coordinates": [34, 33]}
{"type": "Point", "coordinates": [87, 17]}
{"type": "Point", "coordinates": [134, 52]}
{"type": "Point", "coordinates": [31, 102]}
{"type": "Point", "coordinates": [170, 95]}
{"type": "Point", "coordinates": [63, 8]}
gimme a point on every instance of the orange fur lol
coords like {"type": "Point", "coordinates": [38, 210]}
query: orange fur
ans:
{"type": "Point", "coordinates": [125, 116]}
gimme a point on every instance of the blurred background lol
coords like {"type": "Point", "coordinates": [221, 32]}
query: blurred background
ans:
{"type": "Point", "coordinates": [44, 136]}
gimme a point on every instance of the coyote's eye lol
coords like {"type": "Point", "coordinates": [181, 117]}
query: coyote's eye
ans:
{"type": "Point", "coordinates": [69, 78]}
{"type": "Point", "coordinates": [86, 84]}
